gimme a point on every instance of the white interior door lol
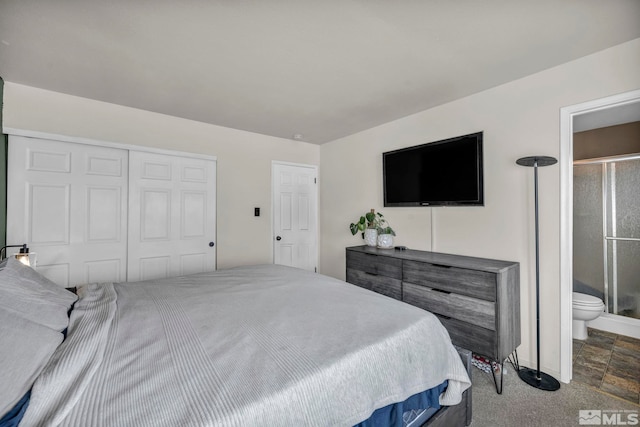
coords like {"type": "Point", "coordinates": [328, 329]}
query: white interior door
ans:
{"type": "Point", "coordinates": [295, 217]}
{"type": "Point", "coordinates": [68, 202]}
{"type": "Point", "coordinates": [172, 219]}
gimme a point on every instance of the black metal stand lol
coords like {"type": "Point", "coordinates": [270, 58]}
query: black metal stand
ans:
{"type": "Point", "coordinates": [513, 359]}
{"type": "Point", "coordinates": [23, 250]}
{"type": "Point", "coordinates": [538, 379]}
{"type": "Point", "coordinates": [495, 380]}
{"type": "Point", "coordinates": [535, 378]}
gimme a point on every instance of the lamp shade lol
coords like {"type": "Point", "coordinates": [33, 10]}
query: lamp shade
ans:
{"type": "Point", "coordinates": [28, 259]}
{"type": "Point", "coordinates": [24, 256]}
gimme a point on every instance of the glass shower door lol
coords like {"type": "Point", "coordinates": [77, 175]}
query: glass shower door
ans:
{"type": "Point", "coordinates": [622, 237]}
{"type": "Point", "coordinates": [588, 229]}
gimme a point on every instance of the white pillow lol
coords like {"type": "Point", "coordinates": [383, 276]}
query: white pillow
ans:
{"type": "Point", "coordinates": [26, 293]}
{"type": "Point", "coordinates": [25, 348]}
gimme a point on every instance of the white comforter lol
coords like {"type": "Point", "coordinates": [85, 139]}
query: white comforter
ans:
{"type": "Point", "coordinates": [253, 346]}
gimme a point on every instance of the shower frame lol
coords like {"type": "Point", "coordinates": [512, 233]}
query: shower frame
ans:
{"type": "Point", "coordinates": [609, 165]}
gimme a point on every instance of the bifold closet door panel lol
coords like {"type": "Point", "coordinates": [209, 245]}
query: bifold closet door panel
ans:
{"type": "Point", "coordinates": [68, 202]}
{"type": "Point", "coordinates": [172, 215]}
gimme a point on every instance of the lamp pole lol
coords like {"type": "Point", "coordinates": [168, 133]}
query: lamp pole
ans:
{"type": "Point", "coordinates": [535, 378]}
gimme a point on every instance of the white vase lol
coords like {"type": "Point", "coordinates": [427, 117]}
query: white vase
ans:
{"type": "Point", "coordinates": [385, 241]}
{"type": "Point", "coordinates": [371, 236]}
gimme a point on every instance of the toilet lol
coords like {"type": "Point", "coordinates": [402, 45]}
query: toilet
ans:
{"type": "Point", "coordinates": [585, 308]}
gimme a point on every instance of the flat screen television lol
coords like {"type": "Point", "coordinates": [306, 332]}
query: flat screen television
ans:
{"type": "Point", "coordinates": [441, 173]}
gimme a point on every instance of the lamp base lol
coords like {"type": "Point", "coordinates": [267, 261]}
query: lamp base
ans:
{"type": "Point", "coordinates": [544, 382]}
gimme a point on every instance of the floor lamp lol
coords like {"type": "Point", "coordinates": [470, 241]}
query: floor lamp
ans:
{"type": "Point", "coordinates": [534, 377]}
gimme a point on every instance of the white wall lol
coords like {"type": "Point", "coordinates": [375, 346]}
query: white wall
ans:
{"type": "Point", "coordinates": [521, 118]}
{"type": "Point", "coordinates": [244, 158]}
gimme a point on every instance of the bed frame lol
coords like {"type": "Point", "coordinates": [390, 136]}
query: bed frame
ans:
{"type": "Point", "coordinates": [460, 414]}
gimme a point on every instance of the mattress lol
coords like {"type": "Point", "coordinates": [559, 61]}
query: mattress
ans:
{"type": "Point", "coordinates": [259, 345]}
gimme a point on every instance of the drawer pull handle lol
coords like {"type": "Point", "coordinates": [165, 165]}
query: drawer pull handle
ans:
{"type": "Point", "coordinates": [441, 291]}
{"type": "Point", "coordinates": [372, 274]}
{"type": "Point", "coordinates": [441, 265]}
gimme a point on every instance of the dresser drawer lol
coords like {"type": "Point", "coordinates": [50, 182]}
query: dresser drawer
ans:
{"type": "Point", "coordinates": [380, 284]}
{"type": "Point", "coordinates": [479, 340]}
{"type": "Point", "coordinates": [473, 283]}
{"type": "Point", "coordinates": [375, 264]}
{"type": "Point", "coordinates": [471, 310]}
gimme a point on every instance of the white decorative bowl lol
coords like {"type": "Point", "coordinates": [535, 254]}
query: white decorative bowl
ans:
{"type": "Point", "coordinates": [385, 241]}
{"type": "Point", "coordinates": [371, 236]}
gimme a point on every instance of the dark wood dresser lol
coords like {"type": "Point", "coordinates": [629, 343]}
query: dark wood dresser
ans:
{"type": "Point", "coordinates": [476, 299]}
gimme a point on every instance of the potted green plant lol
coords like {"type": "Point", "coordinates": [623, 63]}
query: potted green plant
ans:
{"type": "Point", "coordinates": [385, 233]}
{"type": "Point", "coordinates": [373, 226]}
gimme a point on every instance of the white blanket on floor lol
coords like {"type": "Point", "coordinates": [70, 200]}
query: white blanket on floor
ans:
{"type": "Point", "coordinates": [252, 346]}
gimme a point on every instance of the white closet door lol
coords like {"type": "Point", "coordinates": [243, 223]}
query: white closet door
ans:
{"type": "Point", "coordinates": [172, 215]}
{"type": "Point", "coordinates": [68, 202]}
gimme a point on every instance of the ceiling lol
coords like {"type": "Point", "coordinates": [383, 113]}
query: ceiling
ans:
{"type": "Point", "coordinates": [306, 69]}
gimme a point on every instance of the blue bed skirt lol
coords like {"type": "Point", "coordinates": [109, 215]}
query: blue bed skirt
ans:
{"type": "Point", "coordinates": [14, 416]}
{"type": "Point", "coordinates": [393, 415]}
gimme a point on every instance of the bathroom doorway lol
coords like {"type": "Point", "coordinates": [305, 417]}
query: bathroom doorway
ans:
{"type": "Point", "coordinates": [600, 113]}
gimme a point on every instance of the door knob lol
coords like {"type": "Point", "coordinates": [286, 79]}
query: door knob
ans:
{"type": "Point", "coordinates": [278, 238]}
{"type": "Point", "coordinates": [211, 244]}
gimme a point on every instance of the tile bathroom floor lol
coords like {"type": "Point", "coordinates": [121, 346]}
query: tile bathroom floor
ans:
{"type": "Point", "coordinates": [609, 363]}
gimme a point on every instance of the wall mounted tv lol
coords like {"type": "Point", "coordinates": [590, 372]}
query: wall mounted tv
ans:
{"type": "Point", "coordinates": [441, 173]}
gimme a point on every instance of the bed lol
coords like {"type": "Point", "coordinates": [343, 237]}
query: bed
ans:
{"type": "Point", "coordinates": [264, 345]}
